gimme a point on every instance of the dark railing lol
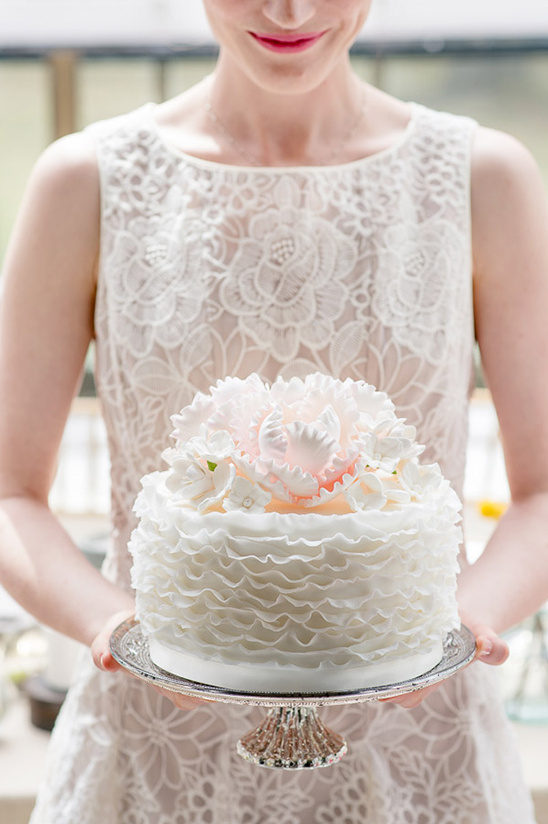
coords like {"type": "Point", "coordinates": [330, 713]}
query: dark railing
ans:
{"type": "Point", "coordinates": [388, 48]}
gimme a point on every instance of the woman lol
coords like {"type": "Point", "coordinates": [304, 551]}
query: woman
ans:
{"type": "Point", "coordinates": [280, 217]}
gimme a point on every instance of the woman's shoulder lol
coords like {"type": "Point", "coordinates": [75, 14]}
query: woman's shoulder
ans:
{"type": "Point", "coordinates": [66, 174]}
{"type": "Point", "coordinates": [505, 177]}
{"type": "Point", "coordinates": [73, 159]}
{"type": "Point", "coordinates": [499, 157]}
{"type": "Point", "coordinates": [509, 208]}
{"type": "Point", "coordinates": [498, 160]}
{"type": "Point", "coordinates": [495, 155]}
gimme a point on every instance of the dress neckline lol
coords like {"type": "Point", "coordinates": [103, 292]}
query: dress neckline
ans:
{"type": "Point", "coordinates": [149, 110]}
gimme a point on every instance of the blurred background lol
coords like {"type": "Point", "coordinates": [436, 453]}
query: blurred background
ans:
{"type": "Point", "coordinates": [66, 63]}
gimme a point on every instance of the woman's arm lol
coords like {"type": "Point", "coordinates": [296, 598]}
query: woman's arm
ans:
{"type": "Point", "coordinates": [510, 248]}
{"type": "Point", "coordinates": [46, 323]}
{"type": "Point", "coordinates": [510, 229]}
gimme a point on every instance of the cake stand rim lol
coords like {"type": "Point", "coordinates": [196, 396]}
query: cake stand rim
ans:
{"type": "Point", "coordinates": [129, 648]}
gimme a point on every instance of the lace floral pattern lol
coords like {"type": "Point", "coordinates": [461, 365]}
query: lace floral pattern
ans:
{"type": "Point", "coordinates": [286, 283]}
{"type": "Point", "coordinates": [360, 271]}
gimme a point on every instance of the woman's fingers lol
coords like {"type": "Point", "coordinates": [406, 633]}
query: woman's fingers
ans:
{"type": "Point", "coordinates": [100, 647]}
{"type": "Point", "coordinates": [491, 648]}
{"type": "Point", "coordinates": [103, 659]}
{"type": "Point", "coordinates": [410, 699]}
{"type": "Point", "coordinates": [183, 702]}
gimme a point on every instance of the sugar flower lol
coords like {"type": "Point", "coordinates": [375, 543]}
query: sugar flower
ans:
{"type": "Point", "coordinates": [366, 493]}
{"type": "Point", "coordinates": [201, 474]}
{"type": "Point", "coordinates": [302, 441]}
{"type": "Point", "coordinates": [246, 495]}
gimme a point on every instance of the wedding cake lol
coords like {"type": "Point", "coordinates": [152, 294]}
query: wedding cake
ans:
{"type": "Point", "coordinates": [295, 543]}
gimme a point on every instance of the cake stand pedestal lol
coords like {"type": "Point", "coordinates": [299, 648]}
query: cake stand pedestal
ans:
{"type": "Point", "coordinates": [292, 736]}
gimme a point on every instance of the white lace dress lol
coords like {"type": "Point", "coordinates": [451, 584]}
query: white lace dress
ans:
{"type": "Point", "coordinates": [361, 270]}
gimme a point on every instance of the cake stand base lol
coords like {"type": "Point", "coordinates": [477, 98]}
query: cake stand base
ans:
{"type": "Point", "coordinates": [291, 737]}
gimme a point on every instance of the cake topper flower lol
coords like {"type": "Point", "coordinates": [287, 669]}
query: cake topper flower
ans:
{"type": "Point", "coordinates": [202, 472]}
{"type": "Point", "coordinates": [302, 441]}
{"type": "Point", "coordinates": [246, 495]}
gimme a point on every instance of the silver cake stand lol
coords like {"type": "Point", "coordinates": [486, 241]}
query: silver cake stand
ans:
{"type": "Point", "coordinates": [292, 736]}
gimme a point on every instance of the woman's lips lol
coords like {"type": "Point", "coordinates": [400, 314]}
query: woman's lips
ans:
{"type": "Point", "coordinates": [287, 42]}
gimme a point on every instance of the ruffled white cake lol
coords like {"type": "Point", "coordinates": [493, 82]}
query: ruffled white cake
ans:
{"type": "Point", "coordinates": [295, 544]}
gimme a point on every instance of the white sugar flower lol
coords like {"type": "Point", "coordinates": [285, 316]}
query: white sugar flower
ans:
{"type": "Point", "coordinates": [305, 440]}
{"type": "Point", "coordinates": [381, 453]}
{"type": "Point", "coordinates": [395, 493]}
{"type": "Point", "coordinates": [421, 480]}
{"type": "Point", "coordinates": [405, 435]}
{"type": "Point", "coordinates": [223, 475]}
{"type": "Point", "coordinates": [377, 490]}
{"type": "Point", "coordinates": [202, 482]}
{"type": "Point", "coordinates": [246, 495]}
{"type": "Point", "coordinates": [366, 493]}
{"type": "Point", "coordinates": [214, 448]}
{"type": "Point", "coordinates": [189, 479]}
{"type": "Point", "coordinates": [386, 452]}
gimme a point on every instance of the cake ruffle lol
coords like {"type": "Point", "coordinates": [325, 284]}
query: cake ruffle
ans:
{"type": "Point", "coordinates": [295, 590]}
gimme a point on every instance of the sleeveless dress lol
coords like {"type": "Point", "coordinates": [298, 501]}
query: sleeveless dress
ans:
{"type": "Point", "coordinates": [361, 270]}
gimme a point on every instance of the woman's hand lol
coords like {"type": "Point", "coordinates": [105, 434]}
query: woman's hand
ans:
{"type": "Point", "coordinates": [100, 646]}
{"type": "Point", "coordinates": [490, 649]}
{"type": "Point", "coordinates": [104, 660]}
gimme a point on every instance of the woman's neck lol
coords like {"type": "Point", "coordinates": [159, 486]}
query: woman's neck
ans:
{"type": "Point", "coordinates": [340, 121]}
{"type": "Point", "coordinates": [275, 128]}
